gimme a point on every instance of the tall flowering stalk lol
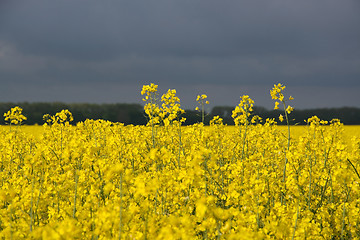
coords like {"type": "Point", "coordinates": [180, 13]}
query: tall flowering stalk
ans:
{"type": "Point", "coordinates": [241, 115]}
{"type": "Point", "coordinates": [277, 94]}
{"type": "Point", "coordinates": [170, 113]}
{"type": "Point", "coordinates": [151, 107]}
{"type": "Point", "coordinates": [202, 101]}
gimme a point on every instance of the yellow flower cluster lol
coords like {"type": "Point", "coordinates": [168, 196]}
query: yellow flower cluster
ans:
{"type": "Point", "coordinates": [104, 180]}
{"type": "Point", "coordinates": [169, 111]}
{"type": "Point", "coordinates": [277, 94]}
{"type": "Point", "coordinates": [242, 112]}
{"type": "Point", "coordinates": [202, 98]}
{"type": "Point", "coordinates": [15, 116]}
{"type": "Point", "coordinates": [149, 90]}
{"type": "Point", "coordinates": [60, 117]}
{"type": "Point", "coordinates": [171, 107]}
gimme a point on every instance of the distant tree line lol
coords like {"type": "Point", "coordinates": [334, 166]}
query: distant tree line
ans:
{"type": "Point", "coordinates": [134, 113]}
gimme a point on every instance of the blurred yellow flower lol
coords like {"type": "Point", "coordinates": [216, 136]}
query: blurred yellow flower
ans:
{"type": "Point", "coordinates": [281, 118]}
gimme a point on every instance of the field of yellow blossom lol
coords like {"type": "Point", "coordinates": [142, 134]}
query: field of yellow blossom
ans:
{"type": "Point", "coordinates": [104, 180]}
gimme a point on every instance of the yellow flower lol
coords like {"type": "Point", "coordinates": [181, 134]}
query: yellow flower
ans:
{"type": "Point", "coordinates": [281, 118]}
{"type": "Point", "coordinates": [289, 109]}
{"type": "Point", "coordinates": [276, 105]}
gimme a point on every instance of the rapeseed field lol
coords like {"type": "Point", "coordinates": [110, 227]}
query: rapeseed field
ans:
{"type": "Point", "coordinates": [254, 180]}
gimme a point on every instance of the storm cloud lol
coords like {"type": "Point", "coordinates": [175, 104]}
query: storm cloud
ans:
{"type": "Point", "coordinates": [104, 51]}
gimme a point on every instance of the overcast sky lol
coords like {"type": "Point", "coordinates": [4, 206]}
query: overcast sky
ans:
{"type": "Point", "coordinates": [104, 51]}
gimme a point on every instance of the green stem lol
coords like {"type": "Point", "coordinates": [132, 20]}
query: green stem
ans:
{"type": "Point", "coordinates": [288, 147]}
{"type": "Point", "coordinates": [288, 126]}
{"type": "Point", "coordinates": [354, 168]}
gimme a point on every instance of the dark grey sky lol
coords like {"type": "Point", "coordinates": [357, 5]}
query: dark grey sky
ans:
{"type": "Point", "coordinates": [104, 51]}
